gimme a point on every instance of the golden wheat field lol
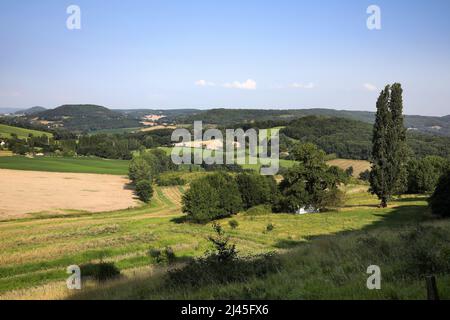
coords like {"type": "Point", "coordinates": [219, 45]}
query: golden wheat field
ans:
{"type": "Point", "coordinates": [358, 165]}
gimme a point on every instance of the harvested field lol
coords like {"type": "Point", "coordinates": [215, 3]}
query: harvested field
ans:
{"type": "Point", "coordinates": [31, 192]}
{"type": "Point", "coordinates": [358, 165]}
{"type": "Point", "coordinates": [5, 153]}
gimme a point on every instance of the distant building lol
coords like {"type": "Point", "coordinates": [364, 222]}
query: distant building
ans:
{"type": "Point", "coordinates": [153, 117]}
{"type": "Point", "coordinates": [209, 144]}
{"type": "Point", "coordinates": [307, 209]}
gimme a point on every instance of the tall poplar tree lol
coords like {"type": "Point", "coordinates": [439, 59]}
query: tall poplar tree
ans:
{"type": "Point", "coordinates": [397, 141]}
{"type": "Point", "coordinates": [388, 175]}
{"type": "Point", "coordinates": [379, 183]}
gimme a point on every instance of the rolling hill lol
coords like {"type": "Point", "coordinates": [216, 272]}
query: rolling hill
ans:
{"type": "Point", "coordinates": [425, 124]}
{"type": "Point", "coordinates": [86, 118]}
{"type": "Point", "coordinates": [351, 139]}
{"type": "Point", "coordinates": [30, 111]}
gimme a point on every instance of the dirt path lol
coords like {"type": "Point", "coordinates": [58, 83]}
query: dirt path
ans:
{"type": "Point", "coordinates": [24, 192]}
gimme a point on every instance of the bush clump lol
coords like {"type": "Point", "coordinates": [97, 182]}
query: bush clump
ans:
{"type": "Point", "coordinates": [440, 200]}
{"type": "Point", "coordinates": [365, 175]}
{"type": "Point", "coordinates": [222, 265]}
{"type": "Point", "coordinates": [212, 197]}
{"type": "Point", "coordinates": [144, 190]}
{"type": "Point", "coordinates": [233, 224]}
{"type": "Point", "coordinates": [259, 210]}
{"type": "Point", "coordinates": [256, 189]}
{"type": "Point", "coordinates": [165, 256]}
{"type": "Point", "coordinates": [170, 181]}
{"type": "Point", "coordinates": [424, 174]}
{"type": "Point", "coordinates": [101, 271]}
{"type": "Point", "coordinates": [270, 227]}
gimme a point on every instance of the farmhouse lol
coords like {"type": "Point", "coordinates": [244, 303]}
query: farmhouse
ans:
{"type": "Point", "coordinates": [153, 117]}
{"type": "Point", "coordinates": [307, 209]}
{"type": "Point", "coordinates": [215, 144]}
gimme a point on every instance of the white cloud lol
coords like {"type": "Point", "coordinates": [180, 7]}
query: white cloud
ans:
{"type": "Point", "coordinates": [369, 87]}
{"type": "Point", "coordinates": [247, 85]}
{"type": "Point", "coordinates": [204, 83]}
{"type": "Point", "coordinates": [297, 85]}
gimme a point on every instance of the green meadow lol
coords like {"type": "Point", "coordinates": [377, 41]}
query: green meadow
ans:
{"type": "Point", "coordinates": [6, 131]}
{"type": "Point", "coordinates": [66, 164]}
{"type": "Point", "coordinates": [35, 251]}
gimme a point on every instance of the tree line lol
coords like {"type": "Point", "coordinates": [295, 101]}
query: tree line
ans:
{"type": "Point", "coordinates": [110, 146]}
{"type": "Point", "coordinates": [145, 168]}
{"type": "Point", "coordinates": [352, 139]}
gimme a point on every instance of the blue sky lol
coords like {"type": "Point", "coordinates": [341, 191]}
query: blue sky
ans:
{"type": "Point", "coordinates": [206, 54]}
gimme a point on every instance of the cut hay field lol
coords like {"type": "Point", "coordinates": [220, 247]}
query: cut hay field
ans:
{"type": "Point", "coordinates": [6, 153]}
{"type": "Point", "coordinates": [358, 165]}
{"type": "Point", "coordinates": [154, 128]}
{"type": "Point", "coordinates": [34, 253]}
{"type": "Point", "coordinates": [37, 194]}
{"type": "Point", "coordinates": [61, 164]}
{"type": "Point", "coordinates": [6, 131]}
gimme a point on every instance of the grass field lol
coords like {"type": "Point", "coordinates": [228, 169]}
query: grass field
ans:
{"type": "Point", "coordinates": [35, 252]}
{"type": "Point", "coordinates": [6, 131]}
{"type": "Point", "coordinates": [59, 164]}
{"type": "Point", "coordinates": [358, 165]}
{"type": "Point", "coordinates": [256, 166]}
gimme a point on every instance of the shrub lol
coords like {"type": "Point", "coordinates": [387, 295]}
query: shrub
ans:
{"type": "Point", "coordinates": [144, 190]}
{"type": "Point", "coordinates": [270, 227]}
{"type": "Point", "coordinates": [100, 271]}
{"type": "Point", "coordinates": [233, 224]}
{"type": "Point", "coordinates": [223, 265]}
{"type": "Point", "coordinates": [440, 200]}
{"type": "Point", "coordinates": [166, 256]}
{"type": "Point", "coordinates": [424, 174]}
{"type": "Point", "coordinates": [149, 164]}
{"type": "Point", "coordinates": [349, 171]}
{"type": "Point", "coordinates": [170, 181]}
{"type": "Point", "coordinates": [365, 175]}
{"type": "Point", "coordinates": [333, 198]}
{"type": "Point", "coordinates": [262, 209]}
